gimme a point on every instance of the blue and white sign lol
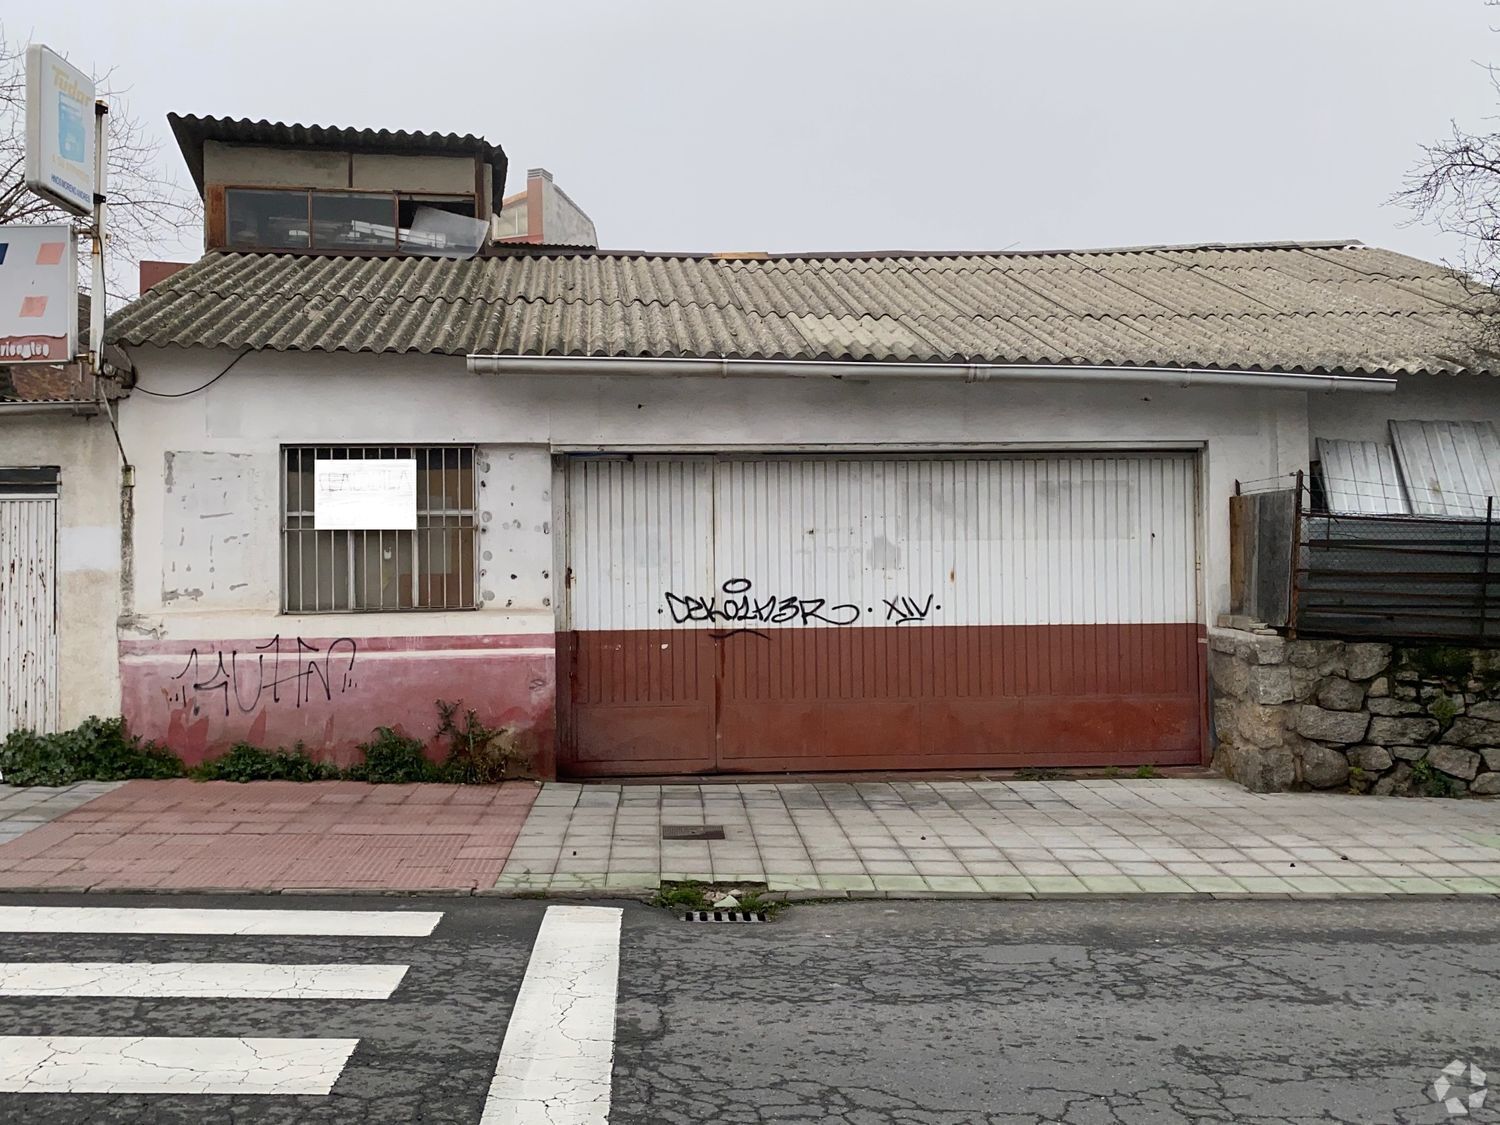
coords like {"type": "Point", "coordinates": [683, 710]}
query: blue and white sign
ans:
{"type": "Point", "coordinates": [59, 131]}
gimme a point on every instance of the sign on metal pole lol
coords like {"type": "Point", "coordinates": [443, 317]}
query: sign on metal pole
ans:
{"type": "Point", "coordinates": [38, 294]}
{"type": "Point", "coordinates": [59, 131]}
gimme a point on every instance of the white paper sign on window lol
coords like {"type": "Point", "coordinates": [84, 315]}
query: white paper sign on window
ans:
{"type": "Point", "coordinates": [365, 495]}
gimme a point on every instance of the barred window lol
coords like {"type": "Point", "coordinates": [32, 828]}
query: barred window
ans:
{"type": "Point", "coordinates": [430, 566]}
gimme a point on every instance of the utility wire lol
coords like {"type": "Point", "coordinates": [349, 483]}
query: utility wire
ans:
{"type": "Point", "coordinates": [195, 390]}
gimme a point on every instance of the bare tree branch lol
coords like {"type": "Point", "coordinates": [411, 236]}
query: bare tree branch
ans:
{"type": "Point", "coordinates": [1456, 188]}
{"type": "Point", "coordinates": [147, 206]}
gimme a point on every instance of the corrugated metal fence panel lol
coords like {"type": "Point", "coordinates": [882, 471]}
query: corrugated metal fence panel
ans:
{"type": "Point", "coordinates": [1360, 477]}
{"type": "Point", "coordinates": [1400, 579]}
{"type": "Point", "coordinates": [28, 614]}
{"type": "Point", "coordinates": [991, 541]}
{"type": "Point", "coordinates": [1451, 468]}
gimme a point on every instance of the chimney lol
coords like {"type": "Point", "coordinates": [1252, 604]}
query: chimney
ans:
{"type": "Point", "coordinates": [154, 272]}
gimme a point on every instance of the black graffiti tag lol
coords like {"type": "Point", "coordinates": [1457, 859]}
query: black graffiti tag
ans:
{"type": "Point", "coordinates": [737, 604]}
{"type": "Point", "coordinates": [311, 672]}
{"type": "Point", "coordinates": [905, 610]}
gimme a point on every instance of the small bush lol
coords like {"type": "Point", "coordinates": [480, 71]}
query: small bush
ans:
{"type": "Point", "coordinates": [1444, 710]}
{"type": "Point", "coordinates": [391, 758]}
{"type": "Point", "coordinates": [1428, 782]}
{"type": "Point", "coordinates": [95, 750]}
{"type": "Point", "coordinates": [1440, 662]}
{"type": "Point", "coordinates": [243, 762]}
{"type": "Point", "coordinates": [1146, 770]}
{"type": "Point", "coordinates": [479, 754]}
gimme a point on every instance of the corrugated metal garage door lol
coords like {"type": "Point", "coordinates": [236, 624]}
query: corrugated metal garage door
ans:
{"type": "Point", "coordinates": [799, 613]}
{"type": "Point", "coordinates": [28, 613]}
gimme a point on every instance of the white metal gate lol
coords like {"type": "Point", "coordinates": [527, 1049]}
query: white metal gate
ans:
{"type": "Point", "coordinates": [28, 612]}
{"type": "Point", "coordinates": [783, 612]}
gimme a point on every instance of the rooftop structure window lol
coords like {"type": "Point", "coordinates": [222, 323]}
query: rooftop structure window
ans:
{"type": "Point", "coordinates": [300, 219]}
{"type": "Point", "coordinates": [267, 219]}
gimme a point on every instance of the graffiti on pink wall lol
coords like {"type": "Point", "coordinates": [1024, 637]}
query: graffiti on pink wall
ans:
{"type": "Point", "coordinates": [292, 672]}
{"type": "Point", "coordinates": [330, 693]}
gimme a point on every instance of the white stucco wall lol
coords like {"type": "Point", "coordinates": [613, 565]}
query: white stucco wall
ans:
{"type": "Point", "coordinates": [88, 550]}
{"type": "Point", "coordinates": [270, 399]}
{"type": "Point", "coordinates": [1423, 398]}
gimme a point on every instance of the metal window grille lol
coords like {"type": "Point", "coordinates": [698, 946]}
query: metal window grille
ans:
{"type": "Point", "coordinates": [433, 567]}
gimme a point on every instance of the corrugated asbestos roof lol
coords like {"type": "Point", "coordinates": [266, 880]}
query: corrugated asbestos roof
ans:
{"type": "Point", "coordinates": [191, 131]}
{"type": "Point", "coordinates": [1286, 307]}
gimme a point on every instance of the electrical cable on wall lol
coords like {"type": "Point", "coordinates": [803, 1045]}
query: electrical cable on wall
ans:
{"type": "Point", "coordinates": [195, 390]}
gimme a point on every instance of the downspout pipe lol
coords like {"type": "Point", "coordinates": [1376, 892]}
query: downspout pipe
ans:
{"type": "Point", "coordinates": [962, 372]}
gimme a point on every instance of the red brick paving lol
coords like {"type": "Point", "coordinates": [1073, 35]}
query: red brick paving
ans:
{"type": "Point", "coordinates": [275, 835]}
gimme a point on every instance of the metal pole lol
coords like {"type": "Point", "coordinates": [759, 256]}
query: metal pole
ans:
{"type": "Point", "coordinates": [1294, 584]}
{"type": "Point", "coordinates": [1484, 579]}
{"type": "Point", "coordinates": [96, 246]}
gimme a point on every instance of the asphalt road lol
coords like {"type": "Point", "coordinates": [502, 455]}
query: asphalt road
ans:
{"type": "Point", "coordinates": [928, 1013]}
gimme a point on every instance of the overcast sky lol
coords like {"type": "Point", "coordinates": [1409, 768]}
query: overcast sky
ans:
{"type": "Point", "coordinates": [858, 124]}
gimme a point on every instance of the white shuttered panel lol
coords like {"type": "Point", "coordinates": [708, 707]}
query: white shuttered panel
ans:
{"type": "Point", "coordinates": [637, 530]}
{"type": "Point", "coordinates": [883, 541]}
{"type": "Point", "coordinates": [28, 614]}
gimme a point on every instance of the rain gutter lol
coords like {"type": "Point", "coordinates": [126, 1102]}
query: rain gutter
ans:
{"type": "Point", "coordinates": [962, 372]}
{"type": "Point", "coordinates": [81, 407]}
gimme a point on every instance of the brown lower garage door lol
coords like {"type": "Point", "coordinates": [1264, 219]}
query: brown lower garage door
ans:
{"type": "Point", "coordinates": [817, 613]}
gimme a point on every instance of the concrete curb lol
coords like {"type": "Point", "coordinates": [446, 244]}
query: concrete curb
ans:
{"type": "Point", "coordinates": [791, 898]}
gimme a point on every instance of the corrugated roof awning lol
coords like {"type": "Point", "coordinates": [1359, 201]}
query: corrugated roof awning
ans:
{"type": "Point", "coordinates": [1311, 308]}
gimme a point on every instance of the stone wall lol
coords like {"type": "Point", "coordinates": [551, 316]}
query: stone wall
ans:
{"type": "Point", "coordinates": [1313, 714]}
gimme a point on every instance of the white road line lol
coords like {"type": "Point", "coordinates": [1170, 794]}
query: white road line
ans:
{"type": "Point", "coordinates": [230, 980]}
{"type": "Point", "coordinates": [122, 1064]}
{"type": "Point", "coordinates": [558, 1057]}
{"type": "Point", "coordinates": [179, 920]}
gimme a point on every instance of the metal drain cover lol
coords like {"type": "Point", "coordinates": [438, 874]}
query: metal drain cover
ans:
{"type": "Point", "coordinates": [725, 916]}
{"type": "Point", "coordinates": [692, 831]}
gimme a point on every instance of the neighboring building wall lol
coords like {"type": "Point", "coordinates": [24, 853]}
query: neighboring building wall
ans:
{"type": "Point", "coordinates": [88, 550]}
{"type": "Point", "coordinates": [198, 659]}
{"type": "Point", "coordinates": [563, 221]}
{"type": "Point", "coordinates": [1423, 398]}
{"type": "Point", "coordinates": [543, 214]}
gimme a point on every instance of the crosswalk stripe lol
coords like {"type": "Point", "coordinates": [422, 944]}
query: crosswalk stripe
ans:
{"type": "Point", "coordinates": [122, 1064]}
{"type": "Point", "coordinates": [557, 1061]}
{"type": "Point", "coordinates": [247, 923]}
{"type": "Point", "coordinates": [196, 979]}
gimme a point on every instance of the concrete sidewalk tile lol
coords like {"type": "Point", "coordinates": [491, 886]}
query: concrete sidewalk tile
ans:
{"type": "Point", "coordinates": [1110, 884]}
{"type": "Point", "coordinates": [1212, 883]}
{"type": "Point", "coordinates": [1034, 869]}
{"type": "Point", "coordinates": [1004, 884]}
{"type": "Point", "coordinates": [1417, 885]}
{"type": "Point", "coordinates": [899, 882]}
{"type": "Point", "coordinates": [954, 884]}
{"type": "Point", "coordinates": [1162, 884]}
{"type": "Point", "coordinates": [1369, 884]}
{"type": "Point", "coordinates": [846, 882]}
{"type": "Point", "coordinates": [991, 867]}
{"type": "Point", "coordinates": [890, 867]}
{"type": "Point", "coordinates": [1057, 884]}
{"type": "Point", "coordinates": [1265, 884]}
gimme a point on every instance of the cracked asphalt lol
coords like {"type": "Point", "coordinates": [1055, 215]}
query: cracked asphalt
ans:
{"type": "Point", "coordinates": [910, 1013]}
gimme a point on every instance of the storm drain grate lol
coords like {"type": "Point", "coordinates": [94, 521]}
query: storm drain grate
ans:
{"type": "Point", "coordinates": [725, 916]}
{"type": "Point", "coordinates": [692, 831]}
